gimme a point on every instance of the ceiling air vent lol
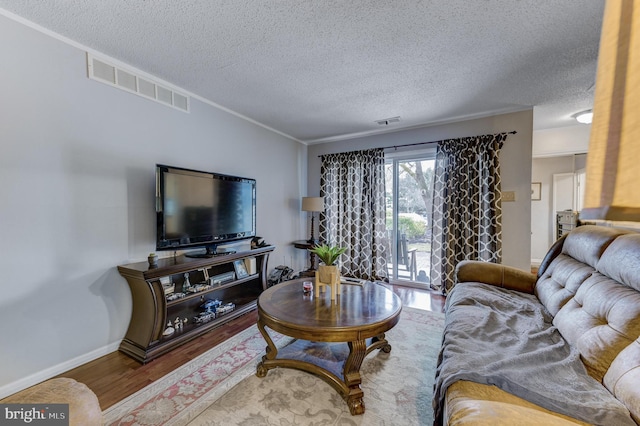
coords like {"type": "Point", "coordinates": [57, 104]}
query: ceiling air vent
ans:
{"type": "Point", "coordinates": [387, 121]}
{"type": "Point", "coordinates": [104, 72]}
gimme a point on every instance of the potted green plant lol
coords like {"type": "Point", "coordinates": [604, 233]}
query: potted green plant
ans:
{"type": "Point", "coordinates": [328, 255]}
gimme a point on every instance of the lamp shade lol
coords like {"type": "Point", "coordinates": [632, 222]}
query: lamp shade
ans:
{"type": "Point", "coordinates": [613, 169]}
{"type": "Point", "coordinates": [312, 204]}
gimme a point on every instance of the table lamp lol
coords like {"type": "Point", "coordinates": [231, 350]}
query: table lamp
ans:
{"type": "Point", "coordinates": [614, 145]}
{"type": "Point", "coordinates": [312, 204]}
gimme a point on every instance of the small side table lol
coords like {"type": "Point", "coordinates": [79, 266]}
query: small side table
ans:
{"type": "Point", "coordinates": [306, 245]}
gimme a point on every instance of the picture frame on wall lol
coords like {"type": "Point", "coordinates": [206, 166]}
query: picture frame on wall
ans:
{"type": "Point", "coordinates": [536, 191]}
{"type": "Point", "coordinates": [241, 270]}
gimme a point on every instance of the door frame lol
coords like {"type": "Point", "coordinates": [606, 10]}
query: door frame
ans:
{"type": "Point", "coordinates": [395, 157]}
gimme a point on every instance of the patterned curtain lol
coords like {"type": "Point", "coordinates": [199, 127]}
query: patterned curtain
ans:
{"type": "Point", "coordinates": [467, 212]}
{"type": "Point", "coordinates": [353, 187]}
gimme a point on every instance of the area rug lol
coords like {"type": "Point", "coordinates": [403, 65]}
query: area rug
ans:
{"type": "Point", "coordinates": [220, 387]}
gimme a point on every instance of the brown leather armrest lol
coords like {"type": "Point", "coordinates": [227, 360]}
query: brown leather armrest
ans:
{"type": "Point", "coordinates": [494, 274]}
{"type": "Point", "coordinates": [473, 404]}
{"type": "Point", "coordinates": [84, 407]}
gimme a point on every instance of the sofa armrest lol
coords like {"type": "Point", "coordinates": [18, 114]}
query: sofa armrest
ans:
{"type": "Point", "coordinates": [84, 407]}
{"type": "Point", "coordinates": [623, 376]}
{"type": "Point", "coordinates": [494, 274]}
{"type": "Point", "coordinates": [472, 404]}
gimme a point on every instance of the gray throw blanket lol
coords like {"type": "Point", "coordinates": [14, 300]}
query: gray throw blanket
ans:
{"type": "Point", "coordinates": [494, 338]}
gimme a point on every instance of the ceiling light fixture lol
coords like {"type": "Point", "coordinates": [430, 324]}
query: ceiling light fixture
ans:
{"type": "Point", "coordinates": [584, 117]}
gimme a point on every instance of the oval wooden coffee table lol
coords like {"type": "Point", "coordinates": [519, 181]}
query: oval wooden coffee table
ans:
{"type": "Point", "coordinates": [333, 338]}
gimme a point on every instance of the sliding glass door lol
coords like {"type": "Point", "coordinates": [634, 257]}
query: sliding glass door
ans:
{"type": "Point", "coordinates": [409, 194]}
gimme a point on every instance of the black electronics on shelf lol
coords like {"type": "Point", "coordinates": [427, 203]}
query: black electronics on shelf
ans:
{"type": "Point", "coordinates": [168, 298]}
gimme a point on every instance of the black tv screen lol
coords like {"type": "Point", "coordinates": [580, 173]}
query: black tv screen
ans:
{"type": "Point", "coordinates": [202, 209]}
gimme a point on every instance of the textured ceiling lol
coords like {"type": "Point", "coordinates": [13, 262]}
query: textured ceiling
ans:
{"type": "Point", "coordinates": [322, 70]}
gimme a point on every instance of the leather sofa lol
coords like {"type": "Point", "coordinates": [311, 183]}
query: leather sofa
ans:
{"type": "Point", "coordinates": [84, 408]}
{"type": "Point", "coordinates": [588, 289]}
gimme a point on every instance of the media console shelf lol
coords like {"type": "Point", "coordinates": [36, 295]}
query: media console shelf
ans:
{"type": "Point", "coordinates": [215, 276]}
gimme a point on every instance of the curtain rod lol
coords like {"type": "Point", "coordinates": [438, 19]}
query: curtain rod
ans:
{"type": "Point", "coordinates": [513, 132]}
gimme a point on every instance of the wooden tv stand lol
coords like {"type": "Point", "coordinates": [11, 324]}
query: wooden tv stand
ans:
{"type": "Point", "coordinates": [152, 311]}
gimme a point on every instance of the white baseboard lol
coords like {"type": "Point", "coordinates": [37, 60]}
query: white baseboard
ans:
{"type": "Point", "coordinates": [536, 262]}
{"type": "Point", "coordinates": [41, 376]}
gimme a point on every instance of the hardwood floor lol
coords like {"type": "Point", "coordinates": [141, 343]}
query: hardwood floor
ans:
{"type": "Point", "coordinates": [115, 376]}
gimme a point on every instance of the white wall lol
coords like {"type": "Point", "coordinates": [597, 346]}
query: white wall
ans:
{"type": "Point", "coordinates": [561, 141]}
{"type": "Point", "coordinates": [515, 161]}
{"type": "Point", "coordinates": [77, 198]}
{"type": "Point", "coordinates": [557, 150]}
{"type": "Point", "coordinates": [542, 217]}
{"type": "Point", "coordinates": [542, 212]}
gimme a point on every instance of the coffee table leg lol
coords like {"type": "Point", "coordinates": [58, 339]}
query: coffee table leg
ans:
{"type": "Point", "coordinates": [379, 342]}
{"type": "Point", "coordinates": [271, 351]}
{"type": "Point", "coordinates": [357, 352]}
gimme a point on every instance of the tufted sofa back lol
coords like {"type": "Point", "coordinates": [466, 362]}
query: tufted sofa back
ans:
{"type": "Point", "coordinates": [569, 262]}
{"type": "Point", "coordinates": [591, 285]}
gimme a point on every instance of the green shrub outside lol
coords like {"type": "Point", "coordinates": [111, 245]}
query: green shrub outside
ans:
{"type": "Point", "coordinates": [410, 227]}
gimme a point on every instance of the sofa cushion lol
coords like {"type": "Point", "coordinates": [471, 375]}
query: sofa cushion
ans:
{"type": "Point", "coordinates": [570, 262]}
{"type": "Point", "coordinates": [599, 321]}
{"type": "Point", "coordinates": [604, 315]}
{"type": "Point", "coordinates": [586, 244]}
{"type": "Point", "coordinates": [470, 403]}
{"type": "Point", "coordinates": [623, 377]}
{"type": "Point", "coordinates": [621, 260]}
{"type": "Point", "coordinates": [560, 282]}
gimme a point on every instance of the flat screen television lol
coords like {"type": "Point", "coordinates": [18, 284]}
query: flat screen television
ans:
{"type": "Point", "coordinates": [202, 209]}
